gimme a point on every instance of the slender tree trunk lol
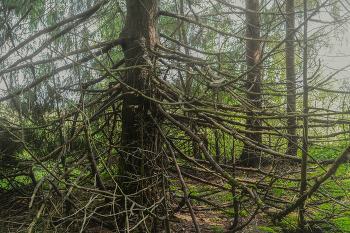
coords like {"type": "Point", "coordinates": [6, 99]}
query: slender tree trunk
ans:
{"type": "Point", "coordinates": [137, 138]}
{"type": "Point", "coordinates": [290, 72]}
{"type": "Point", "coordinates": [217, 147]}
{"type": "Point", "coordinates": [235, 199]}
{"type": "Point", "coordinates": [204, 138]}
{"type": "Point", "coordinates": [196, 151]}
{"type": "Point", "coordinates": [189, 79]}
{"type": "Point", "coordinates": [303, 175]}
{"type": "Point", "coordinates": [249, 156]}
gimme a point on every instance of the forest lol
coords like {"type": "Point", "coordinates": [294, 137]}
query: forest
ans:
{"type": "Point", "coordinates": [174, 116]}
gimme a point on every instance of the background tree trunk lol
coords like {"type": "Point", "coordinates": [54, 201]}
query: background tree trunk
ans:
{"type": "Point", "coordinates": [290, 73]}
{"type": "Point", "coordinates": [303, 175]}
{"type": "Point", "coordinates": [249, 156]}
{"type": "Point", "coordinates": [217, 147]}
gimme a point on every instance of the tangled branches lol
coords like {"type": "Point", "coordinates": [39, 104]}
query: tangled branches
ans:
{"type": "Point", "coordinates": [147, 125]}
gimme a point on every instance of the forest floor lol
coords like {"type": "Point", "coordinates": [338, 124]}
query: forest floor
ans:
{"type": "Point", "coordinates": [209, 218]}
{"type": "Point", "coordinates": [215, 221]}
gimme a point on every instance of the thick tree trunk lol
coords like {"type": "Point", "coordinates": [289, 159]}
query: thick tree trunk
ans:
{"type": "Point", "coordinates": [138, 133]}
{"type": "Point", "coordinates": [249, 156]}
{"type": "Point", "coordinates": [290, 73]}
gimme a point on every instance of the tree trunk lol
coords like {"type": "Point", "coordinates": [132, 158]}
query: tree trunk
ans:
{"type": "Point", "coordinates": [217, 147]}
{"type": "Point", "coordinates": [249, 157]}
{"type": "Point", "coordinates": [138, 132]}
{"type": "Point", "coordinates": [290, 72]}
{"type": "Point", "coordinates": [303, 172]}
{"type": "Point", "coordinates": [196, 152]}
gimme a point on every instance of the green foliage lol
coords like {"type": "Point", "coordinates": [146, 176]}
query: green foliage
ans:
{"type": "Point", "coordinates": [277, 192]}
{"type": "Point", "coordinates": [218, 228]}
{"type": "Point", "coordinates": [20, 6]}
{"type": "Point", "coordinates": [343, 223]}
{"type": "Point", "coordinates": [269, 229]}
{"type": "Point", "coordinates": [230, 213]}
{"type": "Point", "coordinates": [242, 213]}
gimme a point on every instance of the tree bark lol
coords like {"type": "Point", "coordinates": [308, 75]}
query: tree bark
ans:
{"type": "Point", "coordinates": [249, 156]}
{"type": "Point", "coordinates": [303, 175]}
{"type": "Point", "coordinates": [290, 73]}
{"type": "Point", "coordinates": [139, 35]}
{"type": "Point", "coordinates": [217, 147]}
